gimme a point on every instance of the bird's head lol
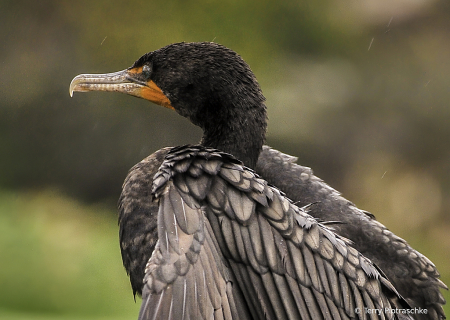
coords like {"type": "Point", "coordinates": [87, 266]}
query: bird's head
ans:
{"type": "Point", "coordinates": [207, 83]}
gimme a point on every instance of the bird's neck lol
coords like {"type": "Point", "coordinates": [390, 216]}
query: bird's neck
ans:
{"type": "Point", "coordinates": [242, 136]}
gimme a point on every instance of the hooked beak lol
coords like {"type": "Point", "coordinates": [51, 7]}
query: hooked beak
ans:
{"type": "Point", "coordinates": [127, 81]}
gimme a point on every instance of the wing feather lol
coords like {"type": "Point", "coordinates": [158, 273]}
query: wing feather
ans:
{"type": "Point", "coordinates": [286, 296]}
{"type": "Point", "coordinates": [324, 281]}
{"type": "Point", "coordinates": [333, 283]}
{"type": "Point", "coordinates": [347, 296]}
{"type": "Point", "coordinates": [233, 247]}
{"type": "Point", "coordinates": [311, 303]}
{"type": "Point", "coordinates": [274, 297]}
{"type": "Point", "coordinates": [249, 290]}
{"type": "Point", "coordinates": [298, 298]}
{"type": "Point", "coordinates": [249, 245]}
{"type": "Point", "coordinates": [308, 257]}
{"type": "Point", "coordinates": [262, 295]}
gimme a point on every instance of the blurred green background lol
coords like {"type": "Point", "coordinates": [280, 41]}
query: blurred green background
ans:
{"type": "Point", "coordinates": [358, 90]}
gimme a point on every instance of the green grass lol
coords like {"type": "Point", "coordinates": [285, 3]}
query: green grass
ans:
{"type": "Point", "coordinates": [8, 315]}
{"type": "Point", "coordinates": [60, 260]}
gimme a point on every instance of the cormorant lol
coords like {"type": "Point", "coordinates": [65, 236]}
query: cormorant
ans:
{"type": "Point", "coordinates": [212, 231]}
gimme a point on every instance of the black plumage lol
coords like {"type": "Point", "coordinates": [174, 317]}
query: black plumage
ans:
{"type": "Point", "coordinates": [239, 239]}
{"type": "Point", "coordinates": [203, 236]}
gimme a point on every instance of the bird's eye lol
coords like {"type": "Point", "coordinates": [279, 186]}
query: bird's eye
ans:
{"type": "Point", "coordinates": [146, 70]}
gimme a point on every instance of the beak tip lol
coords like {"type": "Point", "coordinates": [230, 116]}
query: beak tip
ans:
{"type": "Point", "coordinates": [73, 85]}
